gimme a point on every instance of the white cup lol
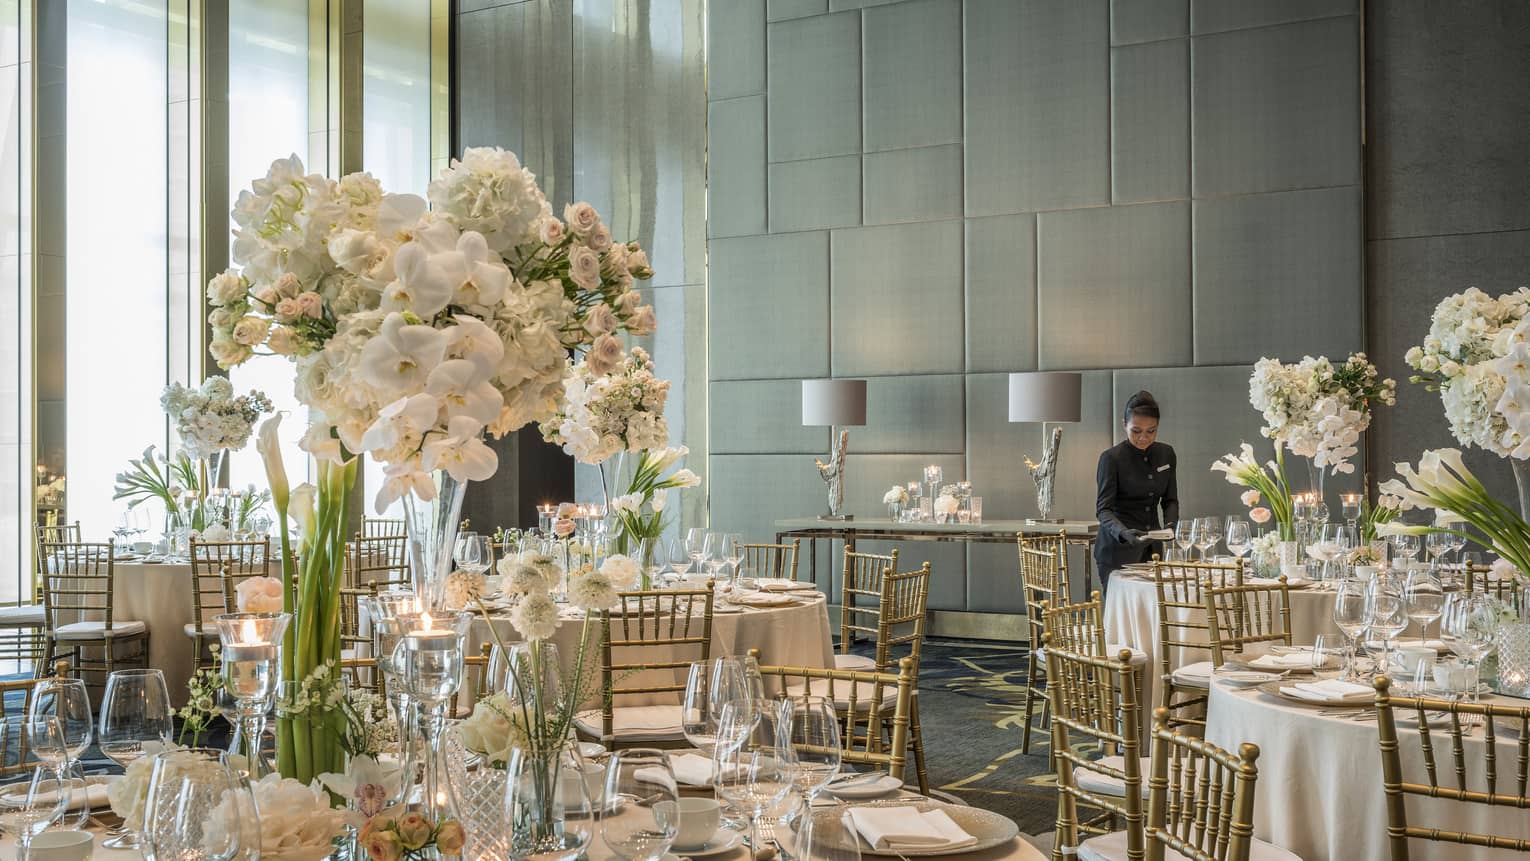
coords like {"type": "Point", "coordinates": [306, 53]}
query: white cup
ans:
{"type": "Point", "coordinates": [1411, 656]}
{"type": "Point", "coordinates": [1455, 677]}
{"type": "Point", "coordinates": [699, 821]}
{"type": "Point", "coordinates": [63, 846]}
{"type": "Point", "coordinates": [142, 548]}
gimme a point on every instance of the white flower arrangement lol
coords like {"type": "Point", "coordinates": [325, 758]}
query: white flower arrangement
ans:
{"type": "Point", "coordinates": [211, 418]}
{"type": "Point", "coordinates": [946, 504]}
{"type": "Point", "coordinates": [610, 408]}
{"type": "Point", "coordinates": [1265, 543]}
{"type": "Point", "coordinates": [128, 793]}
{"type": "Point", "coordinates": [296, 821]}
{"type": "Point", "coordinates": [417, 331]}
{"type": "Point", "coordinates": [897, 495]}
{"type": "Point", "coordinates": [1316, 409]}
{"type": "Point", "coordinates": [1477, 355]}
{"type": "Point", "coordinates": [259, 595]}
{"type": "Point", "coordinates": [496, 727]}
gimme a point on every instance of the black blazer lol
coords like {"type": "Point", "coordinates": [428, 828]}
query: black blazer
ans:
{"type": "Point", "coordinates": [1133, 486]}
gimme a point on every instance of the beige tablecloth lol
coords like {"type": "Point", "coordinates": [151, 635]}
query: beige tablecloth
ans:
{"type": "Point", "coordinates": [1319, 790]}
{"type": "Point", "coordinates": [160, 596]}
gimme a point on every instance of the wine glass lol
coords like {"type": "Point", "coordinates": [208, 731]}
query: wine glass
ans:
{"type": "Point", "coordinates": [471, 552]}
{"type": "Point", "coordinates": [1469, 626]}
{"type": "Point", "coordinates": [193, 809]}
{"type": "Point", "coordinates": [32, 802]}
{"type": "Point", "coordinates": [679, 557]}
{"type": "Point", "coordinates": [1349, 615]}
{"type": "Point", "coordinates": [712, 553]}
{"type": "Point", "coordinates": [67, 701]}
{"type": "Point", "coordinates": [812, 727]}
{"type": "Point", "coordinates": [733, 553]}
{"type": "Point", "coordinates": [640, 785]}
{"type": "Point", "coordinates": [823, 833]}
{"type": "Point", "coordinates": [1208, 531]}
{"type": "Point", "coordinates": [753, 762]}
{"type": "Point", "coordinates": [1404, 545]}
{"type": "Point", "coordinates": [1184, 536]}
{"type": "Point", "coordinates": [1425, 595]}
{"type": "Point", "coordinates": [124, 528]}
{"type": "Point", "coordinates": [1457, 543]}
{"type": "Point", "coordinates": [696, 545]}
{"type": "Point", "coordinates": [1386, 615]}
{"type": "Point", "coordinates": [1240, 539]}
{"type": "Point", "coordinates": [710, 685]}
{"type": "Point", "coordinates": [1437, 544]}
{"type": "Point", "coordinates": [135, 715]}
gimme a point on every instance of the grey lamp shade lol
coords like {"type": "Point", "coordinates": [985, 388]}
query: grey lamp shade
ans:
{"type": "Point", "coordinates": [833, 402]}
{"type": "Point", "coordinates": [1045, 396]}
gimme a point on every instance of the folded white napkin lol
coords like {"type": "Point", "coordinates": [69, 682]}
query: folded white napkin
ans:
{"type": "Point", "coordinates": [656, 777]}
{"type": "Point", "coordinates": [93, 797]}
{"type": "Point", "coordinates": [692, 769]}
{"type": "Point", "coordinates": [908, 828]}
{"type": "Point", "coordinates": [781, 584]}
{"type": "Point", "coordinates": [1159, 535]}
{"type": "Point", "coordinates": [1298, 660]}
{"type": "Point", "coordinates": [1331, 691]}
{"type": "Point", "coordinates": [763, 599]}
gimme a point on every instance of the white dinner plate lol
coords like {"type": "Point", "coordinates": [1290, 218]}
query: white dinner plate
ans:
{"type": "Point", "coordinates": [1247, 678]}
{"type": "Point", "coordinates": [725, 840]}
{"type": "Point", "coordinates": [9, 797]}
{"type": "Point", "coordinates": [988, 828]}
{"type": "Point", "coordinates": [867, 788]}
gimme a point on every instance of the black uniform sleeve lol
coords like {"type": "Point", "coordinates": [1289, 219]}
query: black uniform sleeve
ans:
{"type": "Point", "coordinates": [1105, 499]}
{"type": "Point", "coordinates": [1171, 493]}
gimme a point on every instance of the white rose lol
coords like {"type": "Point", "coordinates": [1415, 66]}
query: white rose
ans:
{"type": "Point", "coordinates": [493, 729]}
{"type": "Point", "coordinates": [259, 595]}
{"type": "Point", "coordinates": [225, 288]}
{"type": "Point", "coordinates": [584, 267]}
{"type": "Point", "coordinates": [604, 353]}
{"type": "Point", "coordinates": [599, 238]}
{"type": "Point", "coordinates": [283, 341]}
{"type": "Point", "coordinates": [1429, 364]}
{"type": "Point", "coordinates": [550, 231]}
{"type": "Point", "coordinates": [637, 263]}
{"type": "Point", "coordinates": [251, 331]}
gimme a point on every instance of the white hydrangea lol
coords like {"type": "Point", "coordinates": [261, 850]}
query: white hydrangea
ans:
{"type": "Point", "coordinates": [1318, 410]}
{"type": "Point", "coordinates": [535, 616]}
{"type": "Point", "coordinates": [210, 418]}
{"type": "Point", "coordinates": [1477, 353]}
{"type": "Point", "coordinates": [592, 591]}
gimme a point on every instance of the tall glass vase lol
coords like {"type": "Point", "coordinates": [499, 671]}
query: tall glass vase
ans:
{"type": "Point", "coordinates": [432, 528]}
{"type": "Point", "coordinates": [612, 484]}
{"type": "Point", "coordinates": [548, 804]}
{"type": "Point", "coordinates": [1522, 484]}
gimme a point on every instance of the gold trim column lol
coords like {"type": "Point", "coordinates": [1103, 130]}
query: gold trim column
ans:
{"type": "Point", "coordinates": [335, 94]}
{"type": "Point", "coordinates": [26, 453]}
{"type": "Point", "coordinates": [440, 86]}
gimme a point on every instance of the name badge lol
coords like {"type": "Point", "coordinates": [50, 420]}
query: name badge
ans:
{"type": "Point", "coordinates": [1162, 468]}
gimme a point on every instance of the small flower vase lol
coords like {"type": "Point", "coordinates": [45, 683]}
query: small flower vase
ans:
{"type": "Point", "coordinates": [480, 800]}
{"type": "Point", "coordinates": [542, 787]}
{"type": "Point", "coordinates": [893, 510]}
{"type": "Point", "coordinates": [1514, 659]}
{"type": "Point", "coordinates": [432, 529]}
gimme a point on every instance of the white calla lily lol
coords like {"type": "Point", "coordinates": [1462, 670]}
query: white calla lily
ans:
{"type": "Point", "coordinates": [268, 443]}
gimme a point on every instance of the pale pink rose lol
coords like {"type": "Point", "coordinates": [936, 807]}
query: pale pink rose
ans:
{"type": "Point", "coordinates": [600, 320]}
{"type": "Point", "coordinates": [259, 595]}
{"type": "Point", "coordinates": [603, 355]}
{"type": "Point", "coordinates": [1259, 515]}
{"type": "Point", "coordinates": [267, 295]}
{"type": "Point", "coordinates": [311, 305]}
{"type": "Point", "coordinates": [566, 510]}
{"type": "Point", "coordinates": [599, 238]}
{"type": "Point", "coordinates": [1250, 498]}
{"type": "Point", "coordinates": [581, 218]}
{"type": "Point", "coordinates": [637, 263]}
{"type": "Point", "coordinates": [642, 321]}
{"type": "Point", "coordinates": [288, 286]}
{"type": "Point", "coordinates": [550, 231]}
{"type": "Point", "coordinates": [563, 527]}
{"type": "Point", "coordinates": [287, 310]}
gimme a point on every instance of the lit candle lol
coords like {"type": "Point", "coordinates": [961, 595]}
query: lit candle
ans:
{"type": "Point", "coordinates": [428, 638]}
{"type": "Point", "coordinates": [1351, 498]}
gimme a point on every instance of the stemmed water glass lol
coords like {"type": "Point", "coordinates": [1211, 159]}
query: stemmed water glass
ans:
{"type": "Point", "coordinates": [1469, 627]}
{"type": "Point", "coordinates": [712, 553]}
{"type": "Point", "coordinates": [39, 799]}
{"type": "Point", "coordinates": [135, 713]}
{"type": "Point", "coordinates": [1184, 536]}
{"type": "Point", "coordinates": [823, 833]}
{"type": "Point", "coordinates": [1240, 538]}
{"type": "Point", "coordinates": [1437, 544]}
{"type": "Point", "coordinates": [1207, 531]}
{"type": "Point", "coordinates": [471, 553]}
{"type": "Point", "coordinates": [640, 786]}
{"type": "Point", "coordinates": [67, 701]}
{"type": "Point", "coordinates": [1425, 595]}
{"type": "Point", "coordinates": [710, 686]}
{"type": "Point", "coordinates": [733, 553]}
{"type": "Point", "coordinates": [1386, 615]}
{"type": "Point", "coordinates": [1349, 615]}
{"type": "Point", "coordinates": [1404, 545]}
{"type": "Point", "coordinates": [812, 727]}
{"type": "Point", "coordinates": [679, 557]}
{"type": "Point", "coordinates": [195, 807]}
{"type": "Point", "coordinates": [696, 545]}
{"type": "Point", "coordinates": [753, 762]}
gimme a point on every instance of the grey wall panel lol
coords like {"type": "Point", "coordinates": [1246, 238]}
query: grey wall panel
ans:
{"type": "Point", "coordinates": [913, 74]}
{"type": "Point", "coordinates": [914, 184]}
{"type": "Point", "coordinates": [993, 578]}
{"type": "Point", "coordinates": [1037, 104]}
{"type": "Point", "coordinates": [1114, 286]}
{"type": "Point", "coordinates": [837, 5]}
{"type": "Point", "coordinates": [1275, 275]}
{"type": "Point", "coordinates": [903, 414]}
{"type": "Point", "coordinates": [897, 299]}
{"type": "Point", "coordinates": [1408, 278]}
{"type": "Point", "coordinates": [736, 169]}
{"type": "Point", "coordinates": [1148, 20]}
{"type": "Point", "coordinates": [774, 485]}
{"type": "Point", "coordinates": [1210, 16]}
{"type": "Point", "coordinates": [769, 302]}
{"type": "Point", "coordinates": [948, 568]}
{"type": "Point", "coordinates": [1001, 293]}
{"type": "Point", "coordinates": [780, 10]}
{"type": "Point", "coordinates": [762, 417]}
{"type": "Point", "coordinates": [1463, 169]}
{"type": "Point", "coordinates": [1150, 121]}
{"type": "Point", "coordinates": [736, 48]}
{"type": "Point", "coordinates": [820, 192]}
{"type": "Point", "coordinates": [996, 449]}
{"type": "Point", "coordinates": [815, 87]}
{"type": "Point", "coordinates": [1277, 108]}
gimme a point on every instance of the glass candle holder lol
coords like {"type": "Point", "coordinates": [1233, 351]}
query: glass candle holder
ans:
{"type": "Point", "coordinates": [975, 505]}
{"type": "Point", "coordinates": [545, 515]}
{"type": "Point", "coordinates": [251, 655]}
{"type": "Point", "coordinates": [429, 661]}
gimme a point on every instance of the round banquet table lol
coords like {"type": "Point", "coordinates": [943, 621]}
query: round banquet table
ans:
{"type": "Point", "coordinates": [1319, 788]}
{"type": "Point", "coordinates": [796, 635]}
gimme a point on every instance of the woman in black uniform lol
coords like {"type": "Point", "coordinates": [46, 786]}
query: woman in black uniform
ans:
{"type": "Point", "coordinates": [1134, 481]}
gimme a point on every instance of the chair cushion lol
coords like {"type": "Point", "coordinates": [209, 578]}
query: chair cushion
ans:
{"type": "Point", "coordinates": [1112, 847]}
{"type": "Point", "coordinates": [25, 616]}
{"type": "Point", "coordinates": [97, 630]}
{"type": "Point", "coordinates": [1197, 675]}
{"type": "Point", "coordinates": [864, 692]}
{"type": "Point", "coordinates": [855, 662]}
{"type": "Point", "coordinates": [635, 723]}
{"type": "Point", "coordinates": [1101, 784]}
{"type": "Point", "coordinates": [208, 630]}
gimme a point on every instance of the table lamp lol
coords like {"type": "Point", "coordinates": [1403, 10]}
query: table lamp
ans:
{"type": "Point", "coordinates": [1046, 397]}
{"type": "Point", "coordinates": [834, 403]}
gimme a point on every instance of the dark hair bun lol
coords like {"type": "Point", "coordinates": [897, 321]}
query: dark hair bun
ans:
{"type": "Point", "coordinates": [1141, 404]}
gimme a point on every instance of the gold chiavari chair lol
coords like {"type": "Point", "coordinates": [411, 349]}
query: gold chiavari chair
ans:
{"type": "Point", "coordinates": [217, 569]}
{"type": "Point", "coordinates": [1182, 624]}
{"type": "Point", "coordinates": [771, 560]}
{"type": "Point", "coordinates": [1242, 616]}
{"type": "Point", "coordinates": [1200, 804]}
{"type": "Point", "coordinates": [860, 589]}
{"type": "Point", "coordinates": [1094, 699]}
{"type": "Point", "coordinates": [875, 708]}
{"type": "Point", "coordinates": [380, 560]}
{"type": "Point", "coordinates": [382, 527]}
{"type": "Point", "coordinates": [1479, 578]}
{"type": "Point", "coordinates": [79, 585]}
{"type": "Point", "coordinates": [21, 625]}
{"type": "Point", "coordinates": [14, 746]}
{"type": "Point", "coordinates": [1043, 579]}
{"type": "Point", "coordinates": [1475, 767]}
{"type": "Point", "coordinates": [352, 641]}
{"type": "Point", "coordinates": [647, 643]}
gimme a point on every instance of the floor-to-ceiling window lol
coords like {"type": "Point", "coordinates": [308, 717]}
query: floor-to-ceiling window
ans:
{"type": "Point", "coordinates": [115, 285]}
{"type": "Point", "coordinates": [268, 72]}
{"type": "Point", "coordinates": [17, 482]}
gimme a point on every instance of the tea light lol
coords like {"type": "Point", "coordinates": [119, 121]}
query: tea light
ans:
{"type": "Point", "coordinates": [932, 474]}
{"type": "Point", "coordinates": [250, 659]}
{"type": "Point", "coordinates": [429, 638]}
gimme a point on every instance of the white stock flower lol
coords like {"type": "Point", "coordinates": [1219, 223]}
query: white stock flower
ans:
{"type": "Point", "coordinates": [462, 588]}
{"type": "Point", "coordinates": [622, 571]}
{"type": "Point", "coordinates": [592, 591]}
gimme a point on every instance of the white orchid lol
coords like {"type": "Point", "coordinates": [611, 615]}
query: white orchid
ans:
{"type": "Point", "coordinates": [402, 356]}
{"type": "Point", "coordinates": [402, 478]}
{"type": "Point", "coordinates": [402, 424]}
{"type": "Point", "coordinates": [461, 451]}
{"type": "Point", "coordinates": [463, 388]}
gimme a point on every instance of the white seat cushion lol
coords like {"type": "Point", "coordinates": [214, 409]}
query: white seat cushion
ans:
{"type": "Point", "coordinates": [1101, 784]}
{"type": "Point", "coordinates": [97, 630]}
{"type": "Point", "coordinates": [208, 630]}
{"type": "Point", "coordinates": [25, 616]}
{"type": "Point", "coordinates": [1112, 847]}
{"type": "Point", "coordinates": [1197, 675]}
{"type": "Point", "coordinates": [864, 693]}
{"type": "Point", "coordinates": [635, 723]}
{"type": "Point", "coordinates": [855, 662]}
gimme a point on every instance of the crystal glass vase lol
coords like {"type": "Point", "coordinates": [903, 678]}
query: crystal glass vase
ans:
{"type": "Point", "coordinates": [1514, 659]}
{"type": "Point", "coordinates": [432, 527]}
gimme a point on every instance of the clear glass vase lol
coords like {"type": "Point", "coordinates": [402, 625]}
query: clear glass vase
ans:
{"type": "Point", "coordinates": [481, 799]}
{"type": "Point", "coordinates": [432, 528]}
{"type": "Point", "coordinates": [549, 804]}
{"type": "Point", "coordinates": [1514, 659]}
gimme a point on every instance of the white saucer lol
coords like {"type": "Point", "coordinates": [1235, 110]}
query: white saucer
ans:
{"type": "Point", "coordinates": [869, 789]}
{"type": "Point", "coordinates": [725, 840]}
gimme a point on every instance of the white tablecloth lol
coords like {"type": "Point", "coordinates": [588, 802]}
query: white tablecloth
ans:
{"type": "Point", "coordinates": [160, 596]}
{"type": "Point", "coordinates": [1319, 789]}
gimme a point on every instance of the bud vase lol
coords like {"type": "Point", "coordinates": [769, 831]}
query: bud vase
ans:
{"type": "Point", "coordinates": [548, 803]}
